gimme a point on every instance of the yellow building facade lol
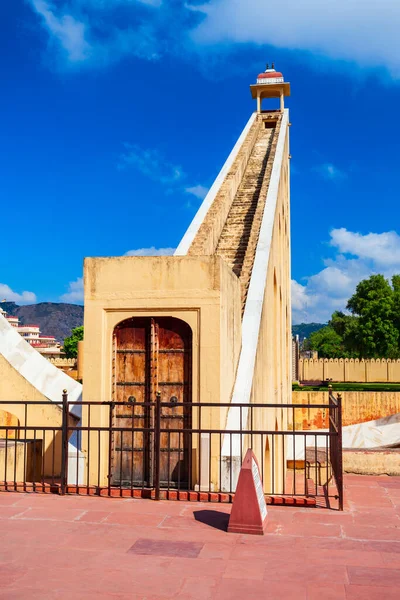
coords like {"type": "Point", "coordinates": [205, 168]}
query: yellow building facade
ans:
{"type": "Point", "coordinates": [208, 326]}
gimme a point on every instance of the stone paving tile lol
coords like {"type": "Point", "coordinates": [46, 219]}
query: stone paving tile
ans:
{"type": "Point", "coordinates": [78, 547]}
{"type": "Point", "coordinates": [314, 529]}
{"type": "Point", "coordinates": [374, 576]}
{"type": "Point", "coordinates": [6, 512]}
{"type": "Point", "coordinates": [253, 569]}
{"type": "Point", "coordinates": [198, 588]}
{"type": "Point", "coordinates": [360, 532]}
{"type": "Point", "coordinates": [326, 592]}
{"type": "Point", "coordinates": [363, 592]}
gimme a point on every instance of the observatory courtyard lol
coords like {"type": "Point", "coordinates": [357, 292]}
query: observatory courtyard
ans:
{"type": "Point", "coordinates": [79, 547]}
{"type": "Point", "coordinates": [124, 487]}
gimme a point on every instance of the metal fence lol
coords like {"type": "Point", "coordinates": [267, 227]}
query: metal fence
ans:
{"type": "Point", "coordinates": [168, 449]}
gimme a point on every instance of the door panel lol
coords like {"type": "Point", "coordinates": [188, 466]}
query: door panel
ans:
{"type": "Point", "coordinates": [152, 356]}
{"type": "Point", "coordinates": [174, 367]}
{"type": "Point", "coordinates": [131, 456]}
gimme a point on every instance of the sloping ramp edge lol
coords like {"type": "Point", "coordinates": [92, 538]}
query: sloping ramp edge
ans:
{"type": "Point", "coordinates": [37, 370]}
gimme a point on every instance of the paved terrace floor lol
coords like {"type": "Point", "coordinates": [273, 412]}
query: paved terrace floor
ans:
{"type": "Point", "coordinates": [81, 547]}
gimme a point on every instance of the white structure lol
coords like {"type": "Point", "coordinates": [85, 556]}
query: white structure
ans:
{"type": "Point", "coordinates": [45, 344]}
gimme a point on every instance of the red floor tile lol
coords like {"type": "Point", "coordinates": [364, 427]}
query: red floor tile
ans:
{"type": "Point", "coordinates": [326, 592]}
{"type": "Point", "coordinates": [363, 592]}
{"type": "Point", "coordinates": [61, 547]}
{"type": "Point", "coordinates": [305, 572]}
{"type": "Point", "coordinates": [217, 551]}
{"type": "Point", "coordinates": [245, 569]}
{"type": "Point", "coordinates": [198, 588]}
{"type": "Point", "coordinates": [132, 519]}
{"type": "Point", "coordinates": [311, 529]}
{"type": "Point", "coordinates": [374, 577]}
{"type": "Point", "coordinates": [372, 533]}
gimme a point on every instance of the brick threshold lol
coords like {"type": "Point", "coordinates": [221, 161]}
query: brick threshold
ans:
{"type": "Point", "coordinates": [149, 493]}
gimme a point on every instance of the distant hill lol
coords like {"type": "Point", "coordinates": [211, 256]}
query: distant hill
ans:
{"type": "Point", "coordinates": [304, 330]}
{"type": "Point", "coordinates": [59, 318]}
{"type": "Point", "coordinates": [53, 318]}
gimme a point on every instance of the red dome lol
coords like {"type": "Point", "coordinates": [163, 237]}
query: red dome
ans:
{"type": "Point", "coordinates": [270, 75]}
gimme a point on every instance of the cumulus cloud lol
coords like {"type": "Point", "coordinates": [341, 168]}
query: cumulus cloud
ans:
{"type": "Point", "coordinates": [381, 248]}
{"type": "Point", "coordinates": [75, 292]}
{"type": "Point", "coordinates": [152, 251]}
{"type": "Point", "coordinates": [357, 256]}
{"type": "Point", "coordinates": [353, 30]}
{"type": "Point", "coordinates": [96, 33]}
{"type": "Point", "coordinates": [199, 191]}
{"type": "Point", "coordinates": [99, 32]}
{"type": "Point", "coordinates": [68, 33]}
{"type": "Point", "coordinates": [6, 293]}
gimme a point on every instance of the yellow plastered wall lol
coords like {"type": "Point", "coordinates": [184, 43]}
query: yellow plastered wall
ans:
{"type": "Point", "coordinates": [350, 370]}
{"type": "Point", "coordinates": [14, 387]}
{"type": "Point", "coordinates": [202, 291]}
{"type": "Point", "coordinates": [357, 407]}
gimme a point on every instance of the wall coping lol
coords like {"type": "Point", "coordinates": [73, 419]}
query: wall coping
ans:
{"type": "Point", "coordinates": [314, 361]}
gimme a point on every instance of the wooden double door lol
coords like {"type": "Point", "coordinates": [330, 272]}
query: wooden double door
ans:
{"type": "Point", "coordinates": [152, 359]}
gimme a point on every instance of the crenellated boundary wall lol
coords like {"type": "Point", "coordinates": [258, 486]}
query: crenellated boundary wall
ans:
{"type": "Point", "coordinates": [350, 370]}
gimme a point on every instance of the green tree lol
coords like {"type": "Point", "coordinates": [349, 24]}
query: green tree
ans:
{"type": "Point", "coordinates": [327, 342]}
{"type": "Point", "coordinates": [347, 327]}
{"type": "Point", "coordinates": [374, 304]}
{"type": "Point", "coordinates": [71, 342]}
{"type": "Point", "coordinates": [396, 301]}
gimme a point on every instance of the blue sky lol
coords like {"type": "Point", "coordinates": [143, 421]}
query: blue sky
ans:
{"type": "Point", "coordinates": [117, 115]}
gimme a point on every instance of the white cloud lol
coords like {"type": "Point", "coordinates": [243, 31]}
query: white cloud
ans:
{"type": "Point", "coordinates": [150, 163]}
{"type": "Point", "coordinates": [6, 293]}
{"type": "Point", "coordinates": [65, 30]}
{"type": "Point", "coordinates": [92, 33]}
{"type": "Point", "coordinates": [330, 171]}
{"type": "Point", "coordinates": [200, 191]}
{"type": "Point", "coordinates": [152, 251]}
{"type": "Point", "coordinates": [358, 256]}
{"type": "Point", "coordinates": [382, 248]}
{"type": "Point", "coordinates": [75, 291]}
{"type": "Point", "coordinates": [363, 31]}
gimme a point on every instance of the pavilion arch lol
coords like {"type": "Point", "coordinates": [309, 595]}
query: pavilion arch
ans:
{"type": "Point", "coordinates": [151, 359]}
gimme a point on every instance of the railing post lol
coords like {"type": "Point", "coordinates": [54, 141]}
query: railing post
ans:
{"type": "Point", "coordinates": [157, 445]}
{"type": "Point", "coordinates": [64, 443]}
{"type": "Point", "coordinates": [110, 445]}
{"type": "Point", "coordinates": [340, 451]}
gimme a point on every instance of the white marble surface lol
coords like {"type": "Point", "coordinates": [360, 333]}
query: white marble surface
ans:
{"type": "Point", "coordinates": [37, 370]}
{"type": "Point", "coordinates": [371, 434]}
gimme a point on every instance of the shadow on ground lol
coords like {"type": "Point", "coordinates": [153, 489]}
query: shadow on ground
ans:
{"type": "Point", "coordinates": [213, 518]}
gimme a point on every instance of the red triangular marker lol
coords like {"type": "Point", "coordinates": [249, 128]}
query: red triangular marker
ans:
{"type": "Point", "coordinates": [249, 510]}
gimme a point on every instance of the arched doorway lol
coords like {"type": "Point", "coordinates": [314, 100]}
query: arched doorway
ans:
{"type": "Point", "coordinates": [152, 357]}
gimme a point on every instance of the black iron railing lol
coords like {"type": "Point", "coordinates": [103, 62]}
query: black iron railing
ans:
{"type": "Point", "coordinates": [167, 449]}
{"type": "Point", "coordinates": [335, 447]}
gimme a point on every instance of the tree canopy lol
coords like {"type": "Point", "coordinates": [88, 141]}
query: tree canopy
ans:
{"type": "Point", "coordinates": [71, 342]}
{"type": "Point", "coordinates": [372, 327]}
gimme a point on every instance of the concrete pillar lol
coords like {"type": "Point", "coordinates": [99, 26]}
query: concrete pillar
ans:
{"type": "Point", "coordinates": [258, 103]}
{"type": "Point", "coordinates": [282, 100]}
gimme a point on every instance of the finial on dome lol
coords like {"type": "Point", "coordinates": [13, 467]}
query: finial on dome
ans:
{"type": "Point", "coordinates": [273, 66]}
{"type": "Point", "coordinates": [267, 66]}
